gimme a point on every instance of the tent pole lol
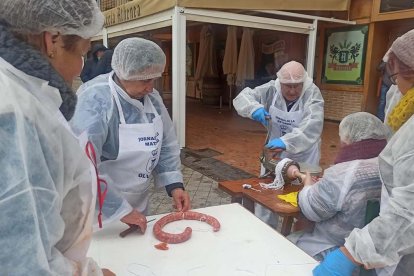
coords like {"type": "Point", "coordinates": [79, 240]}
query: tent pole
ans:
{"type": "Point", "coordinates": [310, 60]}
{"type": "Point", "coordinates": [230, 95]}
{"type": "Point", "coordinates": [178, 73]}
{"type": "Point", "coordinates": [105, 37]}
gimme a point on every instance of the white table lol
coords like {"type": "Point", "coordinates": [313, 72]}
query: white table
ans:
{"type": "Point", "coordinates": [244, 246]}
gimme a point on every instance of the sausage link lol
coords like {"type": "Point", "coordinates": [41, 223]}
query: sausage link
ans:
{"type": "Point", "coordinates": [184, 236]}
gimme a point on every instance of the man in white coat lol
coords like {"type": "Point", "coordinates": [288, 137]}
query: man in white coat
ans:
{"type": "Point", "coordinates": [295, 105]}
{"type": "Point", "coordinates": [296, 108]}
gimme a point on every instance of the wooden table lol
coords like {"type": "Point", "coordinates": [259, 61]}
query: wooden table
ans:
{"type": "Point", "coordinates": [267, 198]}
{"type": "Point", "coordinates": [243, 246]}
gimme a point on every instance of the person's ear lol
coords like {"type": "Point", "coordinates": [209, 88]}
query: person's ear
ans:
{"type": "Point", "coordinates": [50, 42]}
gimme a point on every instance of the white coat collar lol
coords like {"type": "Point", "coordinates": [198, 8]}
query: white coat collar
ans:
{"type": "Point", "coordinates": [49, 96]}
{"type": "Point", "coordinates": [126, 97]}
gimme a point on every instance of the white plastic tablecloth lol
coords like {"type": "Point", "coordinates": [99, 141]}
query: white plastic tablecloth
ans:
{"type": "Point", "coordinates": [244, 246]}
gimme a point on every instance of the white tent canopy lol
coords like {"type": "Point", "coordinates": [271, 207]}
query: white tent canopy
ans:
{"type": "Point", "coordinates": [171, 14]}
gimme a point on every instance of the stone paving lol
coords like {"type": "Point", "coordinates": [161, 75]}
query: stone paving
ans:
{"type": "Point", "coordinates": [203, 192]}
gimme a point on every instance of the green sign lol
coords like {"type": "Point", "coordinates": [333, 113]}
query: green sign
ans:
{"type": "Point", "coordinates": [344, 58]}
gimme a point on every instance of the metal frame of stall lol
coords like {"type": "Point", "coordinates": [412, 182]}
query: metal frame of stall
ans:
{"type": "Point", "coordinates": [177, 17]}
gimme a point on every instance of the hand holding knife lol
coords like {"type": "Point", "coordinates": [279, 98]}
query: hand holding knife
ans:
{"type": "Point", "coordinates": [132, 228]}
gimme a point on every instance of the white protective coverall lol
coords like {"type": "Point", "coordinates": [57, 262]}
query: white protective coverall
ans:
{"type": "Point", "coordinates": [337, 203]}
{"type": "Point", "coordinates": [46, 193]}
{"type": "Point", "coordinates": [389, 239]}
{"type": "Point", "coordinates": [302, 138]}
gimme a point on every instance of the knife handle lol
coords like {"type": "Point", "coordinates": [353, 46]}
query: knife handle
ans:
{"type": "Point", "coordinates": [131, 229]}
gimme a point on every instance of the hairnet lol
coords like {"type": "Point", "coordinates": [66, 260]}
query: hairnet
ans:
{"type": "Point", "coordinates": [138, 59]}
{"type": "Point", "coordinates": [403, 48]}
{"type": "Point", "coordinates": [386, 57]}
{"type": "Point", "coordinates": [361, 126]}
{"type": "Point", "coordinates": [68, 17]}
{"type": "Point", "coordinates": [292, 72]}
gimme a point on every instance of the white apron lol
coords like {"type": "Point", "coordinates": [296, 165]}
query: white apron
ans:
{"type": "Point", "coordinates": [284, 122]}
{"type": "Point", "coordinates": [139, 152]}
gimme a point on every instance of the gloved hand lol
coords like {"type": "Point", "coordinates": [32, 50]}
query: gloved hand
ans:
{"type": "Point", "coordinates": [335, 264]}
{"type": "Point", "coordinates": [260, 115]}
{"type": "Point", "coordinates": [276, 143]}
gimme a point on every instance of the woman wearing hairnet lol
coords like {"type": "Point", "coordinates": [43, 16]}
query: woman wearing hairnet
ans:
{"type": "Point", "coordinates": [134, 137]}
{"type": "Point", "coordinates": [387, 243]}
{"type": "Point", "coordinates": [295, 105]}
{"type": "Point", "coordinates": [47, 198]}
{"type": "Point", "coordinates": [337, 202]}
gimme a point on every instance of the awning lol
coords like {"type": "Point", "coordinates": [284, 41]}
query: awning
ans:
{"type": "Point", "coordinates": [140, 8]}
{"type": "Point", "coordinates": [298, 5]}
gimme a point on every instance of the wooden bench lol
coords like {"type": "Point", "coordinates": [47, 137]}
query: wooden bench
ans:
{"type": "Point", "coordinates": [267, 198]}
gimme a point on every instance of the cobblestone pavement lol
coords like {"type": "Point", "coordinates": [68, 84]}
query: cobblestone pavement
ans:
{"type": "Point", "coordinates": [203, 192]}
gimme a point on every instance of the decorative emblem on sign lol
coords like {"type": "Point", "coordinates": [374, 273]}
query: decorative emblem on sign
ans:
{"type": "Point", "coordinates": [344, 58]}
{"type": "Point", "coordinates": [345, 54]}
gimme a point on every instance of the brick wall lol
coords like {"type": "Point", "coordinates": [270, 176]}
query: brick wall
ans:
{"type": "Point", "coordinates": [338, 104]}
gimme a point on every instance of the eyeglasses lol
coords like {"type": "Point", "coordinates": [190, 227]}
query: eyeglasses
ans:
{"type": "Point", "coordinates": [389, 69]}
{"type": "Point", "coordinates": [393, 78]}
{"type": "Point", "coordinates": [295, 86]}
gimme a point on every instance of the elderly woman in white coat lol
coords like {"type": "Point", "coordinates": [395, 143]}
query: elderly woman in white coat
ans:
{"type": "Point", "coordinates": [337, 201]}
{"type": "Point", "coordinates": [387, 242]}
{"type": "Point", "coordinates": [126, 120]}
{"type": "Point", "coordinates": [47, 191]}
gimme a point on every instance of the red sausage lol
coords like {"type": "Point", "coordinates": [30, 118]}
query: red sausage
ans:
{"type": "Point", "coordinates": [182, 237]}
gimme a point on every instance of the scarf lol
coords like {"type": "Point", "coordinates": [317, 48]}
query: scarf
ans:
{"type": "Point", "coordinates": [32, 62]}
{"type": "Point", "coordinates": [365, 149]}
{"type": "Point", "coordinates": [402, 111]}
